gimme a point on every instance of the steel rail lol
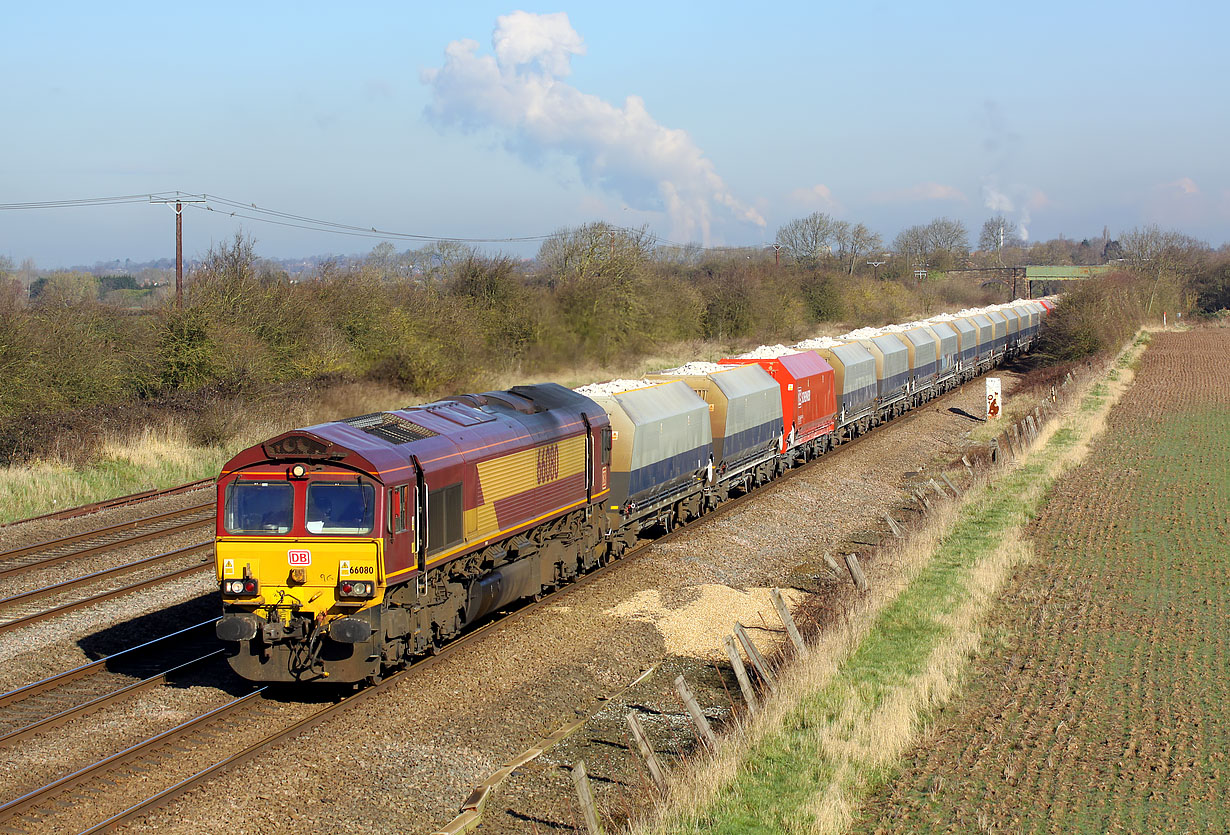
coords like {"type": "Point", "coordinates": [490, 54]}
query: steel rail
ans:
{"type": "Point", "coordinates": [110, 504]}
{"type": "Point", "coordinates": [165, 556]}
{"type": "Point", "coordinates": [51, 682]}
{"type": "Point", "coordinates": [98, 703]}
{"type": "Point", "coordinates": [47, 562]}
{"type": "Point", "coordinates": [99, 598]}
{"type": "Point", "coordinates": [52, 544]}
{"type": "Point", "coordinates": [129, 754]}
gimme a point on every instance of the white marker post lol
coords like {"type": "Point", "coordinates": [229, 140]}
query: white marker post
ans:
{"type": "Point", "coordinates": [995, 400]}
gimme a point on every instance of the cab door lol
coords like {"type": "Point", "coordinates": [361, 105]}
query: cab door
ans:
{"type": "Point", "coordinates": [399, 530]}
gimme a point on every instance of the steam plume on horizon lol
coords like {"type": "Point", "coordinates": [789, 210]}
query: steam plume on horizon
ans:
{"type": "Point", "coordinates": [998, 201]}
{"type": "Point", "coordinates": [518, 90]}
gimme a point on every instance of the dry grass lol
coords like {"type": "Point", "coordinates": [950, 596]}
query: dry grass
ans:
{"type": "Point", "coordinates": [172, 452]}
{"type": "Point", "coordinates": [842, 719]}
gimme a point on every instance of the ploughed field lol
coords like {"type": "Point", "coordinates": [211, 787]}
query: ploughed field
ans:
{"type": "Point", "coordinates": [1101, 699]}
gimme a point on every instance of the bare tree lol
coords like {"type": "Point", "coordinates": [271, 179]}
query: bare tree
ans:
{"type": "Point", "coordinates": [855, 240]}
{"type": "Point", "coordinates": [946, 235]}
{"type": "Point", "coordinates": [595, 248]}
{"type": "Point", "coordinates": [1151, 248]}
{"type": "Point", "coordinates": [989, 240]}
{"type": "Point", "coordinates": [809, 240]}
{"type": "Point", "coordinates": [440, 258]}
{"type": "Point", "coordinates": [685, 255]}
{"type": "Point", "coordinates": [911, 244]}
{"type": "Point", "coordinates": [1154, 251]}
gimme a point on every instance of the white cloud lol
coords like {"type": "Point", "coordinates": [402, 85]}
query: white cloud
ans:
{"type": "Point", "coordinates": [818, 195]}
{"type": "Point", "coordinates": [518, 91]}
{"type": "Point", "coordinates": [1185, 185]}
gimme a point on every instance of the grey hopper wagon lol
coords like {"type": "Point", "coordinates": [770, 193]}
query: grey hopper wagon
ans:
{"type": "Point", "coordinates": [745, 412]}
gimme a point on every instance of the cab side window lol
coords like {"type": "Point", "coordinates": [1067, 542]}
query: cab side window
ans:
{"type": "Point", "coordinates": [399, 513]}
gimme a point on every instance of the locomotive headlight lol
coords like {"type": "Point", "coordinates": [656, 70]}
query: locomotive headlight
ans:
{"type": "Point", "coordinates": [356, 588]}
{"type": "Point", "coordinates": [298, 471]}
{"type": "Point", "coordinates": [246, 587]}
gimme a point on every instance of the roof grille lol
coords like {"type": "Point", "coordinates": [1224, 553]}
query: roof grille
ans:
{"type": "Point", "coordinates": [390, 427]}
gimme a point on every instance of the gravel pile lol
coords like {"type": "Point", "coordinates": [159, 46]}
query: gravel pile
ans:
{"type": "Point", "coordinates": [694, 367]}
{"type": "Point", "coordinates": [766, 352]}
{"type": "Point", "coordinates": [614, 387]}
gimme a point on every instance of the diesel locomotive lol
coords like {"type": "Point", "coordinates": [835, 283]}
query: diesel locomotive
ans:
{"type": "Point", "coordinates": [349, 548]}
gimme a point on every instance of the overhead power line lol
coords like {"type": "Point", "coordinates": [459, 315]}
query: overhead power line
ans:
{"type": "Point", "coordinates": [89, 201]}
{"type": "Point", "coordinates": [250, 211]}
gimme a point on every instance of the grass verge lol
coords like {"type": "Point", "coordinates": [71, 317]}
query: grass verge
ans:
{"type": "Point", "coordinates": [844, 717]}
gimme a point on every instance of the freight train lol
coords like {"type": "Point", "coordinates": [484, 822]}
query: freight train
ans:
{"type": "Point", "coordinates": [347, 549]}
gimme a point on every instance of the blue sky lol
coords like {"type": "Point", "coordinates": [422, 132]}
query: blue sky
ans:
{"type": "Point", "coordinates": [1069, 117]}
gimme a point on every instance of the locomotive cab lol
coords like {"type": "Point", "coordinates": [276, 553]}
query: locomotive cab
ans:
{"type": "Point", "coordinates": [300, 566]}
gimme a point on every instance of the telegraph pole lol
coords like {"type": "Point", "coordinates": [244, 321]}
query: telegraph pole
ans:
{"type": "Point", "coordinates": [179, 202]}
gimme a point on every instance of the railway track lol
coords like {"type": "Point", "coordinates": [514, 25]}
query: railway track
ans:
{"type": "Point", "coordinates": [63, 697]}
{"type": "Point", "coordinates": [20, 724]}
{"type": "Point", "coordinates": [41, 602]}
{"type": "Point", "coordinates": [26, 608]}
{"type": "Point", "coordinates": [110, 504]}
{"type": "Point", "coordinates": [112, 537]}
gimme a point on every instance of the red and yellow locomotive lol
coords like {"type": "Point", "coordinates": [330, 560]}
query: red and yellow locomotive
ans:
{"type": "Point", "coordinates": [347, 548]}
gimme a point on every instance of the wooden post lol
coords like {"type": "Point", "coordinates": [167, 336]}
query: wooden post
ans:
{"type": "Point", "coordinates": [647, 754]}
{"type": "Point", "coordinates": [586, 794]}
{"type": "Point", "coordinates": [969, 468]}
{"type": "Point", "coordinates": [698, 715]}
{"type": "Point", "coordinates": [856, 572]}
{"type": "Point", "coordinates": [753, 655]}
{"type": "Point", "coordinates": [745, 683]}
{"type": "Point", "coordinates": [939, 491]}
{"type": "Point", "coordinates": [1016, 434]}
{"type": "Point", "coordinates": [892, 524]}
{"type": "Point", "coordinates": [922, 497]}
{"type": "Point", "coordinates": [832, 565]}
{"type": "Point", "coordinates": [951, 486]}
{"type": "Point", "coordinates": [783, 612]}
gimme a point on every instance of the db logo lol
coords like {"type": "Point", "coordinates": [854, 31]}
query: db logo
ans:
{"type": "Point", "coordinates": [299, 557]}
{"type": "Point", "coordinates": [804, 396]}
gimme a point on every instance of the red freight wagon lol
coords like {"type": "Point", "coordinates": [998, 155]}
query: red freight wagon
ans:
{"type": "Point", "coordinates": [809, 403]}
